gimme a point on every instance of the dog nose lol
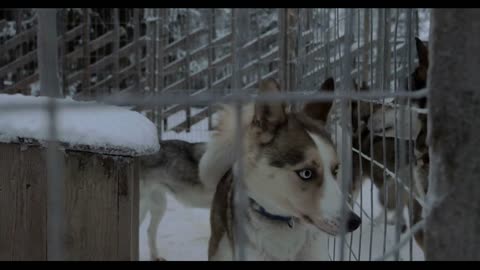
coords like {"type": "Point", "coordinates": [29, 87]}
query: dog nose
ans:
{"type": "Point", "coordinates": [353, 222]}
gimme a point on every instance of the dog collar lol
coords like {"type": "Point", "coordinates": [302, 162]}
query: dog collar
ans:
{"type": "Point", "coordinates": [259, 209]}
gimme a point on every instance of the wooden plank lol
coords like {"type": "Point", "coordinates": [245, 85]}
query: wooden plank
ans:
{"type": "Point", "coordinates": [9, 158]}
{"type": "Point", "coordinates": [29, 34]}
{"type": "Point", "coordinates": [253, 83]}
{"type": "Point", "coordinates": [178, 107]}
{"type": "Point", "coordinates": [122, 74]}
{"type": "Point", "coordinates": [174, 85]}
{"type": "Point", "coordinates": [135, 228]}
{"type": "Point", "coordinates": [172, 110]}
{"type": "Point", "coordinates": [23, 199]}
{"type": "Point", "coordinates": [29, 56]}
{"type": "Point", "coordinates": [22, 86]}
{"type": "Point", "coordinates": [272, 34]}
{"type": "Point", "coordinates": [136, 88]}
{"type": "Point", "coordinates": [223, 39]}
{"type": "Point", "coordinates": [91, 194]}
{"type": "Point", "coordinates": [124, 176]}
{"type": "Point", "coordinates": [18, 63]}
{"type": "Point", "coordinates": [181, 41]}
{"type": "Point", "coordinates": [193, 120]}
{"type": "Point", "coordinates": [222, 81]}
{"type": "Point", "coordinates": [74, 32]}
{"type": "Point", "coordinates": [123, 52]}
{"type": "Point", "coordinates": [101, 211]}
{"type": "Point", "coordinates": [173, 66]}
{"type": "Point", "coordinates": [93, 45]}
{"type": "Point", "coordinates": [269, 56]}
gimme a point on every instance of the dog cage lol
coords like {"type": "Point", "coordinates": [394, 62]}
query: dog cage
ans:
{"type": "Point", "coordinates": [175, 65]}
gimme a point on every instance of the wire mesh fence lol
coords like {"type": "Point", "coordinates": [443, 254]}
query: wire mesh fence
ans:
{"type": "Point", "coordinates": [176, 65]}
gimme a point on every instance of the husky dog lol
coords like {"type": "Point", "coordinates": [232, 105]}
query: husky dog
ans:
{"type": "Point", "coordinates": [173, 169]}
{"type": "Point", "coordinates": [370, 128]}
{"type": "Point", "coordinates": [290, 169]}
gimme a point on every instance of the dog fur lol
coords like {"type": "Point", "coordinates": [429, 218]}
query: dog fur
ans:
{"type": "Point", "coordinates": [290, 171]}
{"type": "Point", "coordinates": [173, 169]}
{"type": "Point", "coordinates": [364, 134]}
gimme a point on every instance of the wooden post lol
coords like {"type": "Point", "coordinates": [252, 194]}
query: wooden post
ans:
{"type": "Point", "coordinates": [100, 210]}
{"type": "Point", "coordinates": [47, 52]}
{"type": "Point", "coordinates": [453, 222]}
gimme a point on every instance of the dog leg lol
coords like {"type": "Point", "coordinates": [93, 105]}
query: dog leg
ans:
{"type": "Point", "coordinates": [143, 211]}
{"type": "Point", "coordinates": [223, 252]}
{"type": "Point", "coordinates": [417, 217]}
{"type": "Point", "coordinates": [389, 202]}
{"type": "Point", "coordinates": [157, 210]}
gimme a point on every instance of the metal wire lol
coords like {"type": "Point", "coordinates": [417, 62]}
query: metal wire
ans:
{"type": "Point", "coordinates": [159, 75]}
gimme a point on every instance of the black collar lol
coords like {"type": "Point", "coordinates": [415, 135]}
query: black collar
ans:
{"type": "Point", "coordinates": [259, 209]}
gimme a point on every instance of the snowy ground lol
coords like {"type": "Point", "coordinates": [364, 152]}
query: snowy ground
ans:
{"type": "Point", "coordinates": [183, 232]}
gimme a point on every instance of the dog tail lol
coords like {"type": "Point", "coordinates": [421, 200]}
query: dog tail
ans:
{"type": "Point", "coordinates": [219, 155]}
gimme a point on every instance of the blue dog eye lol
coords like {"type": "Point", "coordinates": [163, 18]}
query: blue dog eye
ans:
{"type": "Point", "coordinates": [305, 174]}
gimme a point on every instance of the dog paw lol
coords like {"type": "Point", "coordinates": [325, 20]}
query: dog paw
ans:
{"type": "Point", "coordinates": [159, 259]}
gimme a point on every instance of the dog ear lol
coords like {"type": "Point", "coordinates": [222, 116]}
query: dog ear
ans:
{"type": "Point", "coordinates": [422, 52]}
{"type": "Point", "coordinates": [269, 116]}
{"type": "Point", "coordinates": [319, 110]}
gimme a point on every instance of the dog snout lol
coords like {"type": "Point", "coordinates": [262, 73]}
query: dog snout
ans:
{"type": "Point", "coordinates": [353, 222]}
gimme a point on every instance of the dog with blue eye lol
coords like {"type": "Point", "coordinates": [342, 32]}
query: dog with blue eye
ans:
{"type": "Point", "coordinates": [290, 173]}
